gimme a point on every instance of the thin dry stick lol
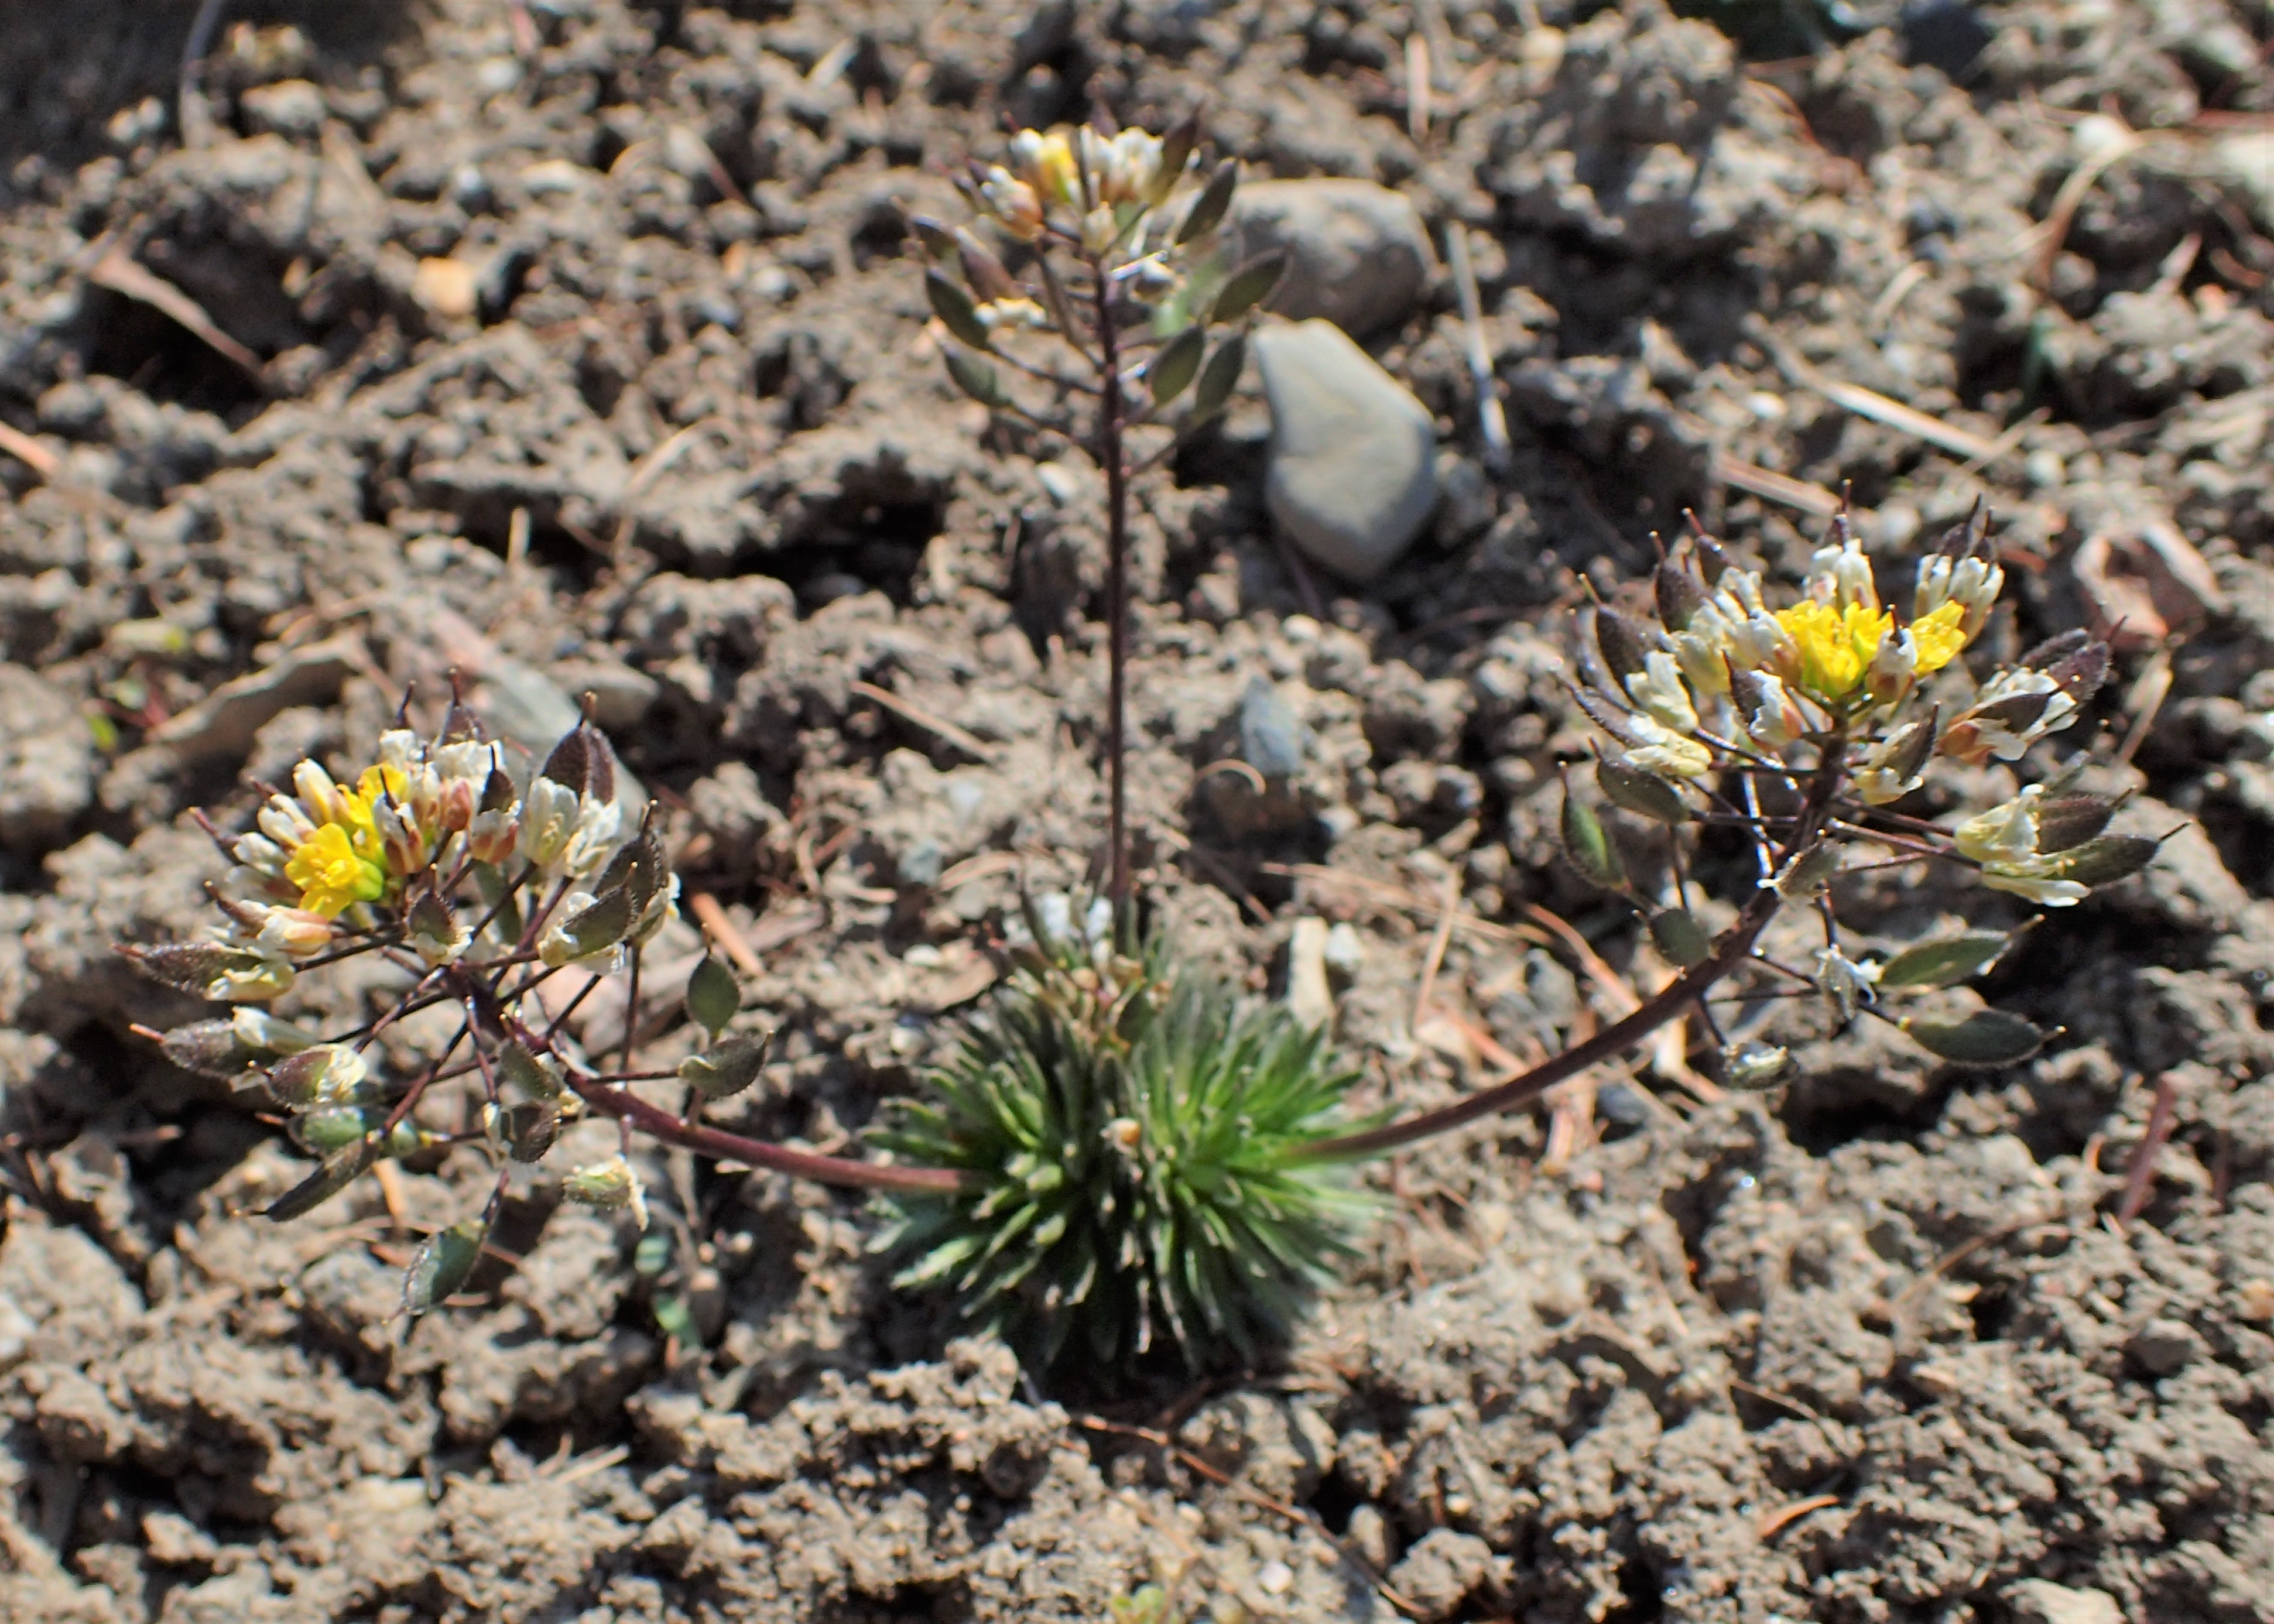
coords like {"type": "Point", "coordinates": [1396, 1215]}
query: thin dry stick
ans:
{"type": "Point", "coordinates": [29, 452]}
{"type": "Point", "coordinates": [970, 743]}
{"type": "Point", "coordinates": [1492, 420]}
{"type": "Point", "coordinates": [713, 916]}
{"type": "Point", "coordinates": [2141, 1175]}
{"type": "Point", "coordinates": [1448, 906]}
{"type": "Point", "coordinates": [2146, 699]}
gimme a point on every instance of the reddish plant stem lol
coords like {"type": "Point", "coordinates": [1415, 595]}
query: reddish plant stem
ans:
{"type": "Point", "coordinates": [1110, 408]}
{"type": "Point", "coordinates": [1734, 945]}
{"type": "Point", "coordinates": [2140, 1176]}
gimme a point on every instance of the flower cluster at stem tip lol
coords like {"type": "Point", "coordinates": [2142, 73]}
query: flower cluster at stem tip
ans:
{"type": "Point", "coordinates": [1719, 680]}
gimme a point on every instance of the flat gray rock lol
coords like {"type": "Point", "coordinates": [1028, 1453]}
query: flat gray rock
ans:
{"type": "Point", "coordinates": [1353, 473]}
{"type": "Point", "coordinates": [1358, 255]}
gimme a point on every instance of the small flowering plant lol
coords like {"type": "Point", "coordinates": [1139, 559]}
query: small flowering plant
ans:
{"type": "Point", "coordinates": [1119, 271]}
{"type": "Point", "coordinates": [473, 884]}
{"type": "Point", "coordinates": [1806, 727]}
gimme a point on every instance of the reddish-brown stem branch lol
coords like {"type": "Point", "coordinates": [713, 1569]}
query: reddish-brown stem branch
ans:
{"type": "Point", "coordinates": [1734, 945]}
{"type": "Point", "coordinates": [2141, 1175]}
{"type": "Point", "coordinates": [1109, 409]}
{"type": "Point", "coordinates": [659, 1124]}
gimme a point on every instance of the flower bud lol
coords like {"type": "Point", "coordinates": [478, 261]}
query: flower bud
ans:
{"type": "Point", "coordinates": [1896, 765]}
{"type": "Point", "coordinates": [294, 933]}
{"type": "Point", "coordinates": [495, 831]}
{"type": "Point", "coordinates": [435, 933]}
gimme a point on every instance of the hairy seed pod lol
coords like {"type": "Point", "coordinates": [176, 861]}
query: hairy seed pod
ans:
{"type": "Point", "coordinates": [2103, 859]}
{"type": "Point", "coordinates": [1625, 651]}
{"type": "Point", "coordinates": [726, 1070]}
{"type": "Point", "coordinates": [713, 997]}
{"type": "Point", "coordinates": [1809, 872]}
{"type": "Point", "coordinates": [1587, 845]}
{"type": "Point", "coordinates": [1944, 962]}
{"type": "Point", "coordinates": [2081, 675]}
{"type": "Point", "coordinates": [2066, 820]}
{"type": "Point", "coordinates": [1680, 596]}
{"type": "Point", "coordinates": [442, 1266]}
{"type": "Point", "coordinates": [1680, 938]}
{"type": "Point", "coordinates": [1646, 794]}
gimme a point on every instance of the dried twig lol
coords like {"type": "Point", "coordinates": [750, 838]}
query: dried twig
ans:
{"type": "Point", "coordinates": [29, 452]}
{"type": "Point", "coordinates": [970, 743]}
{"type": "Point", "coordinates": [721, 929]}
{"type": "Point", "coordinates": [2140, 1176]}
{"type": "Point", "coordinates": [119, 272]}
{"type": "Point", "coordinates": [190, 109]}
{"type": "Point", "coordinates": [1449, 908]}
{"type": "Point", "coordinates": [1774, 1521]}
{"type": "Point", "coordinates": [1492, 420]}
{"type": "Point", "coordinates": [1767, 482]}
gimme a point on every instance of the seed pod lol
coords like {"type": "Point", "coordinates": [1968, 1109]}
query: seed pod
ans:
{"type": "Point", "coordinates": [640, 869]}
{"type": "Point", "coordinates": [1625, 651]}
{"type": "Point", "coordinates": [1967, 535]}
{"type": "Point", "coordinates": [936, 239]}
{"type": "Point", "coordinates": [975, 378]}
{"type": "Point", "coordinates": [2081, 675]}
{"type": "Point", "coordinates": [1587, 845]}
{"type": "Point", "coordinates": [726, 1070]}
{"type": "Point", "coordinates": [1713, 559]}
{"type": "Point", "coordinates": [2066, 821]}
{"type": "Point", "coordinates": [1210, 206]}
{"type": "Point", "coordinates": [607, 1184]}
{"type": "Point", "coordinates": [1646, 794]}
{"type": "Point", "coordinates": [1679, 595]}
{"type": "Point", "coordinates": [2103, 861]}
{"type": "Point", "coordinates": [1177, 149]}
{"type": "Point", "coordinates": [956, 311]}
{"type": "Point", "coordinates": [190, 967]}
{"type": "Point", "coordinates": [594, 928]}
{"type": "Point", "coordinates": [1809, 872]}
{"type": "Point", "coordinates": [208, 1047]}
{"type": "Point", "coordinates": [2055, 649]}
{"type": "Point", "coordinates": [1219, 378]}
{"type": "Point", "coordinates": [442, 1266]}
{"type": "Point", "coordinates": [333, 1174]}
{"type": "Point", "coordinates": [1249, 286]}
{"type": "Point", "coordinates": [1986, 1038]}
{"type": "Point", "coordinates": [1607, 717]}
{"type": "Point", "coordinates": [983, 271]}
{"type": "Point", "coordinates": [583, 762]}
{"type": "Point", "coordinates": [328, 1074]}
{"type": "Point", "coordinates": [1680, 938]}
{"type": "Point", "coordinates": [1176, 364]}
{"type": "Point", "coordinates": [523, 1131]}
{"type": "Point", "coordinates": [1945, 962]}
{"type": "Point", "coordinates": [713, 996]}
{"type": "Point", "coordinates": [524, 1072]}
{"type": "Point", "coordinates": [1753, 1064]}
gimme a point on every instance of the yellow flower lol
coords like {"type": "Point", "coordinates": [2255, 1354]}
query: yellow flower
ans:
{"type": "Point", "coordinates": [1049, 163]}
{"type": "Point", "coordinates": [1835, 645]}
{"type": "Point", "coordinates": [332, 873]}
{"type": "Point", "coordinates": [1940, 634]}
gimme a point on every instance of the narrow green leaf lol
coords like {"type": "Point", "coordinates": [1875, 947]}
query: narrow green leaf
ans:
{"type": "Point", "coordinates": [953, 306]}
{"type": "Point", "coordinates": [1175, 365]}
{"type": "Point", "coordinates": [1209, 207]}
{"type": "Point", "coordinates": [1986, 1038]}
{"type": "Point", "coordinates": [975, 377]}
{"type": "Point", "coordinates": [1249, 286]}
{"type": "Point", "coordinates": [1219, 378]}
{"type": "Point", "coordinates": [1944, 962]}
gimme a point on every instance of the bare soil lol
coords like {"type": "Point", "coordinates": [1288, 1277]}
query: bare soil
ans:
{"type": "Point", "coordinates": [1871, 1349]}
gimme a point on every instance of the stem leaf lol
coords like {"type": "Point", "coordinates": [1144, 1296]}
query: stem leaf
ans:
{"type": "Point", "coordinates": [1986, 1038]}
{"type": "Point", "coordinates": [1249, 286]}
{"type": "Point", "coordinates": [1219, 378]}
{"type": "Point", "coordinates": [1207, 209]}
{"type": "Point", "coordinates": [1680, 938]}
{"type": "Point", "coordinates": [1944, 962]}
{"type": "Point", "coordinates": [975, 377]}
{"type": "Point", "coordinates": [956, 311]}
{"type": "Point", "coordinates": [1174, 367]}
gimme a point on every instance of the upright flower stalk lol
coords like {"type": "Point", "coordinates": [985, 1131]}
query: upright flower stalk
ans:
{"type": "Point", "coordinates": [1114, 237]}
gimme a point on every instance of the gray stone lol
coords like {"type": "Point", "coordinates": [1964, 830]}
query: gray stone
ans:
{"type": "Point", "coordinates": [2040, 1601]}
{"type": "Point", "coordinates": [1353, 473]}
{"type": "Point", "coordinates": [1359, 256]}
{"type": "Point", "coordinates": [47, 762]}
{"type": "Point", "coordinates": [2163, 1346]}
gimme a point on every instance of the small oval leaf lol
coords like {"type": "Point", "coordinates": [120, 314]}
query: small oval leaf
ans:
{"type": "Point", "coordinates": [713, 997]}
{"type": "Point", "coordinates": [1680, 938]}
{"type": "Point", "coordinates": [975, 377]}
{"type": "Point", "coordinates": [1209, 207]}
{"type": "Point", "coordinates": [1219, 378]}
{"type": "Point", "coordinates": [1986, 1038]}
{"type": "Point", "coordinates": [956, 311]}
{"type": "Point", "coordinates": [1587, 844]}
{"type": "Point", "coordinates": [1249, 286]}
{"type": "Point", "coordinates": [1945, 962]}
{"type": "Point", "coordinates": [1646, 794]}
{"type": "Point", "coordinates": [1173, 368]}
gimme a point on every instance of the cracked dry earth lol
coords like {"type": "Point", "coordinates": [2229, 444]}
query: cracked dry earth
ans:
{"type": "Point", "coordinates": [1871, 1349]}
